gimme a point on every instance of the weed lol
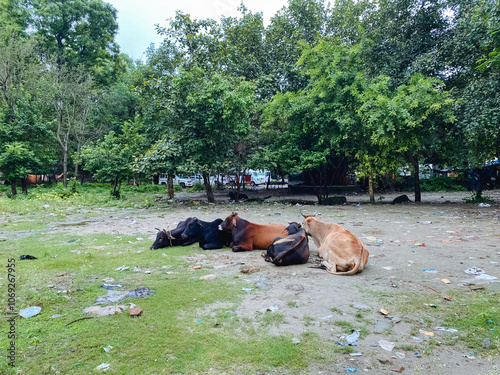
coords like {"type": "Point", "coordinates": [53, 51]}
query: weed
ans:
{"type": "Point", "coordinates": [308, 320]}
{"type": "Point", "coordinates": [292, 304]}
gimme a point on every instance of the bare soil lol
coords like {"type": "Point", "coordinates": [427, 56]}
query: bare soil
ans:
{"type": "Point", "coordinates": [454, 236]}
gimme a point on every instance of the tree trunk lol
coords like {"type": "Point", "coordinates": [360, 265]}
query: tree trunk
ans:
{"type": "Point", "coordinates": [370, 188]}
{"type": "Point", "coordinates": [13, 187]}
{"type": "Point", "coordinates": [238, 185]}
{"type": "Point", "coordinates": [208, 188]}
{"type": "Point", "coordinates": [416, 177]}
{"type": "Point", "coordinates": [170, 186]}
{"type": "Point", "coordinates": [24, 185]}
{"type": "Point", "coordinates": [78, 147]}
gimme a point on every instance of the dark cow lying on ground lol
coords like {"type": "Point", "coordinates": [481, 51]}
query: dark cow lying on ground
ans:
{"type": "Point", "coordinates": [166, 238]}
{"type": "Point", "coordinates": [248, 236]}
{"type": "Point", "coordinates": [292, 249]}
{"type": "Point", "coordinates": [207, 233]}
{"type": "Point", "coordinates": [241, 196]}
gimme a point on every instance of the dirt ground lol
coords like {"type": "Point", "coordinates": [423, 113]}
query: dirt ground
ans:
{"type": "Point", "coordinates": [456, 237]}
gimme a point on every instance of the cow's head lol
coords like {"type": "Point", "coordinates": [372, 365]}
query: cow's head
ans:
{"type": "Point", "coordinates": [192, 229]}
{"type": "Point", "coordinates": [230, 222]}
{"type": "Point", "coordinates": [308, 222]}
{"type": "Point", "coordinates": [162, 239]}
{"type": "Point", "coordinates": [293, 227]}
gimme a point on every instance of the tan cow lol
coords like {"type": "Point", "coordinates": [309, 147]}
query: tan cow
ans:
{"type": "Point", "coordinates": [342, 252]}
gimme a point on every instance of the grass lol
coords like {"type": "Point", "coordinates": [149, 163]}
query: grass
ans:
{"type": "Point", "coordinates": [183, 329]}
{"type": "Point", "coordinates": [475, 316]}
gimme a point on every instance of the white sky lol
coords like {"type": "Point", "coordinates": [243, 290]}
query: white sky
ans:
{"type": "Point", "coordinates": [137, 18]}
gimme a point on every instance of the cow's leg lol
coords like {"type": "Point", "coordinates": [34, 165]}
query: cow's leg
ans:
{"type": "Point", "coordinates": [240, 248]}
{"type": "Point", "coordinates": [212, 246]}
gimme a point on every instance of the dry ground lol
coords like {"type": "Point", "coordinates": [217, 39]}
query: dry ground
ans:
{"type": "Point", "coordinates": [456, 236]}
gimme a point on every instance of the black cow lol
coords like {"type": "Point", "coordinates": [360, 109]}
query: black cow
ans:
{"type": "Point", "coordinates": [207, 233]}
{"type": "Point", "coordinates": [241, 196]}
{"type": "Point", "coordinates": [166, 238]}
{"type": "Point", "coordinates": [292, 249]}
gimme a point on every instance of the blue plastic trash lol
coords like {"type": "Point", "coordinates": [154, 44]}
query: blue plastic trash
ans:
{"type": "Point", "coordinates": [30, 311]}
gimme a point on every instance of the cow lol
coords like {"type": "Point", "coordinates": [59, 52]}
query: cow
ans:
{"type": "Point", "coordinates": [342, 252]}
{"type": "Point", "coordinates": [166, 238]}
{"type": "Point", "coordinates": [207, 233]}
{"type": "Point", "coordinates": [292, 249]}
{"type": "Point", "coordinates": [241, 196]}
{"type": "Point", "coordinates": [250, 236]}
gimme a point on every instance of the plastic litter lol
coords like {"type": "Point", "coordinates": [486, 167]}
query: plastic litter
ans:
{"type": "Point", "coordinates": [356, 354]}
{"type": "Point", "coordinates": [383, 312]}
{"type": "Point", "coordinates": [103, 367]}
{"type": "Point", "coordinates": [426, 333]}
{"type": "Point", "coordinates": [486, 277]}
{"type": "Point", "coordinates": [446, 281]}
{"type": "Point", "coordinates": [55, 316]}
{"type": "Point", "coordinates": [108, 348]}
{"type": "Point", "coordinates": [112, 296]}
{"type": "Point", "coordinates": [430, 270]}
{"type": "Point", "coordinates": [30, 311]}
{"type": "Point", "coordinates": [104, 311]}
{"type": "Point", "coordinates": [122, 268]}
{"type": "Point", "coordinates": [352, 339]}
{"type": "Point", "coordinates": [111, 286]}
{"type": "Point", "coordinates": [386, 345]}
{"type": "Point", "coordinates": [295, 340]}
{"type": "Point", "coordinates": [351, 369]}
{"type": "Point", "coordinates": [140, 293]}
{"type": "Point", "coordinates": [474, 271]}
{"type": "Point", "coordinates": [416, 339]}
{"type": "Point", "coordinates": [400, 355]}
{"type": "Point", "coordinates": [416, 244]}
{"type": "Point", "coordinates": [484, 205]}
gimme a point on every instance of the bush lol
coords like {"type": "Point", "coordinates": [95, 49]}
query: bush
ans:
{"type": "Point", "coordinates": [441, 184]}
{"type": "Point", "coordinates": [196, 187]}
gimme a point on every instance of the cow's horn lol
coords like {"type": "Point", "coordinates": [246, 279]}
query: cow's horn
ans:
{"type": "Point", "coordinates": [158, 229]}
{"type": "Point", "coordinates": [303, 214]}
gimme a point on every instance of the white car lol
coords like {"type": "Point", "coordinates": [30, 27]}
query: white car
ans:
{"type": "Point", "coordinates": [182, 180]}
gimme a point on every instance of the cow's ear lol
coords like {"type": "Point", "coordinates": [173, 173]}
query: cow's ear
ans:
{"type": "Point", "coordinates": [234, 222]}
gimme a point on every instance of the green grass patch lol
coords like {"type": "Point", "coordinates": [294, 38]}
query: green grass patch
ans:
{"type": "Point", "coordinates": [474, 315]}
{"type": "Point", "coordinates": [183, 328]}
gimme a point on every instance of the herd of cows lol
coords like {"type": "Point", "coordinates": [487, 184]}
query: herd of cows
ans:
{"type": "Point", "coordinates": [342, 253]}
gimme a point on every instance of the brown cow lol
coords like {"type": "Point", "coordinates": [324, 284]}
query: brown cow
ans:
{"type": "Point", "coordinates": [342, 252]}
{"type": "Point", "coordinates": [249, 236]}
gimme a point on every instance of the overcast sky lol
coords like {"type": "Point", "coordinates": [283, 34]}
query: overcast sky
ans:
{"type": "Point", "coordinates": [137, 19]}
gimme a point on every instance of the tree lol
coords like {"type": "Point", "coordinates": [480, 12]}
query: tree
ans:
{"type": "Point", "coordinates": [69, 94]}
{"type": "Point", "coordinates": [164, 156]}
{"type": "Point", "coordinates": [77, 33]}
{"type": "Point", "coordinates": [108, 160]}
{"type": "Point", "coordinates": [17, 161]}
{"type": "Point", "coordinates": [212, 114]}
{"type": "Point", "coordinates": [21, 121]}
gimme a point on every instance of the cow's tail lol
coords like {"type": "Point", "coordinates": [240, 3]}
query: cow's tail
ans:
{"type": "Point", "coordinates": [356, 267]}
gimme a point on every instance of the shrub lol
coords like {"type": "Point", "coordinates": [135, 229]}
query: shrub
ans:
{"type": "Point", "coordinates": [196, 187]}
{"type": "Point", "coordinates": [441, 184]}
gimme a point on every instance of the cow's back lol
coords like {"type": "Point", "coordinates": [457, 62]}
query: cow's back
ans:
{"type": "Point", "coordinates": [263, 235]}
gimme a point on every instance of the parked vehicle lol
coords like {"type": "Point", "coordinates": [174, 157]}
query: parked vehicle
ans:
{"type": "Point", "coordinates": [182, 180]}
